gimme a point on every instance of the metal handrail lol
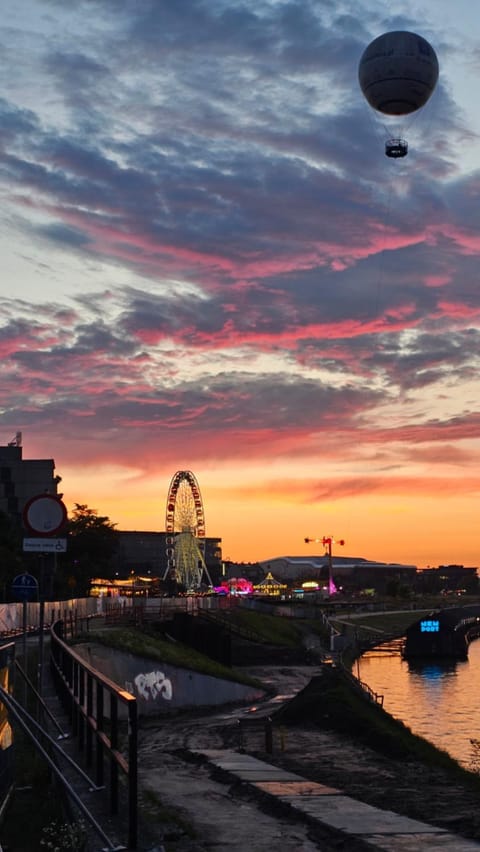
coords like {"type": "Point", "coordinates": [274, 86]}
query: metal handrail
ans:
{"type": "Point", "coordinates": [83, 689]}
{"type": "Point", "coordinates": [44, 706]}
{"type": "Point", "coordinates": [54, 745]}
{"type": "Point", "coordinates": [17, 711]}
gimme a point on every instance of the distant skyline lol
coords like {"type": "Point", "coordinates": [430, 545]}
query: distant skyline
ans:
{"type": "Point", "coordinates": [209, 264]}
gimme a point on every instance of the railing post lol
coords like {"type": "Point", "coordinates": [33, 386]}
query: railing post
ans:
{"type": "Point", "coordinates": [240, 736]}
{"type": "Point", "coordinates": [99, 744]}
{"type": "Point", "coordinates": [81, 706]}
{"type": "Point", "coordinates": [86, 693]}
{"type": "Point", "coordinates": [114, 747]}
{"type": "Point", "coordinates": [74, 688]}
{"type": "Point", "coordinates": [89, 737]}
{"type": "Point", "coordinates": [268, 736]}
{"type": "Point", "coordinates": [132, 775]}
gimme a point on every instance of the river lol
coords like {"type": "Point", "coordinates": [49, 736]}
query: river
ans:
{"type": "Point", "coordinates": [437, 700]}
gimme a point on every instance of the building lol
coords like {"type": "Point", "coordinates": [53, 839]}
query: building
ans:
{"type": "Point", "coordinates": [448, 579]}
{"type": "Point", "coordinates": [21, 479]}
{"type": "Point", "coordinates": [146, 553]}
{"type": "Point", "coordinates": [140, 553]}
{"type": "Point", "coordinates": [252, 571]}
{"type": "Point", "coordinates": [348, 573]}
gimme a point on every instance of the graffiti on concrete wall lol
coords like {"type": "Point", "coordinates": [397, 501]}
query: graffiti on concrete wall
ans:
{"type": "Point", "coordinates": [153, 685]}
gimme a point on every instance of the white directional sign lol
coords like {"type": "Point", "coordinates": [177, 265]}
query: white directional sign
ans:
{"type": "Point", "coordinates": [45, 545]}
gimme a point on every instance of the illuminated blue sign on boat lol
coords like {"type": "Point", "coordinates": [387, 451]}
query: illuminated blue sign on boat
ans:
{"type": "Point", "coordinates": [429, 626]}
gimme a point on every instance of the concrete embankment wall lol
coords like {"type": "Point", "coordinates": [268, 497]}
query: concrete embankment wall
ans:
{"type": "Point", "coordinates": [159, 687]}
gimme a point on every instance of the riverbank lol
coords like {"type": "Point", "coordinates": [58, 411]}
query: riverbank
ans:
{"type": "Point", "coordinates": [341, 741]}
{"type": "Point", "coordinates": [440, 794]}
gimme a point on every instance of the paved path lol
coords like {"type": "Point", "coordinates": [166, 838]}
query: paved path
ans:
{"type": "Point", "coordinates": [331, 819]}
{"type": "Point", "coordinates": [331, 809]}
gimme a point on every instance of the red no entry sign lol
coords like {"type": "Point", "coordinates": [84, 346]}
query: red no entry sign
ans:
{"type": "Point", "coordinates": [44, 515]}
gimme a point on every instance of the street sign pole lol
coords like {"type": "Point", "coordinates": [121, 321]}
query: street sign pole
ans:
{"type": "Point", "coordinates": [44, 519]}
{"type": "Point", "coordinates": [24, 623]}
{"type": "Point", "coordinates": [40, 646]}
{"type": "Point", "coordinates": [24, 589]}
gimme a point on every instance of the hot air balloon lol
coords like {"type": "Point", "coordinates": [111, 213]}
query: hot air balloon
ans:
{"type": "Point", "coordinates": [397, 73]}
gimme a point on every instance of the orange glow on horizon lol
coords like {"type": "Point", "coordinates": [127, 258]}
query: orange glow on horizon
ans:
{"type": "Point", "coordinates": [414, 526]}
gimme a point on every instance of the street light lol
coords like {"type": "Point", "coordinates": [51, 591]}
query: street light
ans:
{"type": "Point", "coordinates": [327, 542]}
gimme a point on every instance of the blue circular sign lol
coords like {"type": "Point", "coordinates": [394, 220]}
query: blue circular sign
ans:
{"type": "Point", "coordinates": [25, 587]}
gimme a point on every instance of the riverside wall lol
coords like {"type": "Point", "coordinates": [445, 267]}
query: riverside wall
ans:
{"type": "Point", "coordinates": [161, 688]}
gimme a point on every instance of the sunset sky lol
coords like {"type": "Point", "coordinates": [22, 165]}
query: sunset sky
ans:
{"type": "Point", "coordinates": [208, 264]}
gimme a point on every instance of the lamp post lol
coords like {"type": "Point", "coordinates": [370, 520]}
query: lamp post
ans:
{"type": "Point", "coordinates": [327, 542]}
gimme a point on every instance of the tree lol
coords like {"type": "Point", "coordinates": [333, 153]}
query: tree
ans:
{"type": "Point", "coordinates": [92, 543]}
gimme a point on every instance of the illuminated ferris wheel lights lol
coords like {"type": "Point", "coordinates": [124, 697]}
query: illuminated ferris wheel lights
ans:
{"type": "Point", "coordinates": [185, 528]}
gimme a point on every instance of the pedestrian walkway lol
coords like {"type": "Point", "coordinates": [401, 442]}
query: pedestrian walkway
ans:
{"type": "Point", "coordinates": [329, 814]}
{"type": "Point", "coordinates": [331, 809]}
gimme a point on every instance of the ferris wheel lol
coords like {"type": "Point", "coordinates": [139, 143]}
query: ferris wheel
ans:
{"type": "Point", "coordinates": [185, 531]}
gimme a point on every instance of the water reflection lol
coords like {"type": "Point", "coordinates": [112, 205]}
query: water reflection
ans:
{"type": "Point", "coordinates": [436, 700]}
{"type": "Point", "coordinates": [431, 671]}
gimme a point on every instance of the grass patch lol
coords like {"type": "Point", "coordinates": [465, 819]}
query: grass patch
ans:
{"type": "Point", "coordinates": [377, 626]}
{"type": "Point", "coordinates": [143, 644]}
{"type": "Point", "coordinates": [271, 629]}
